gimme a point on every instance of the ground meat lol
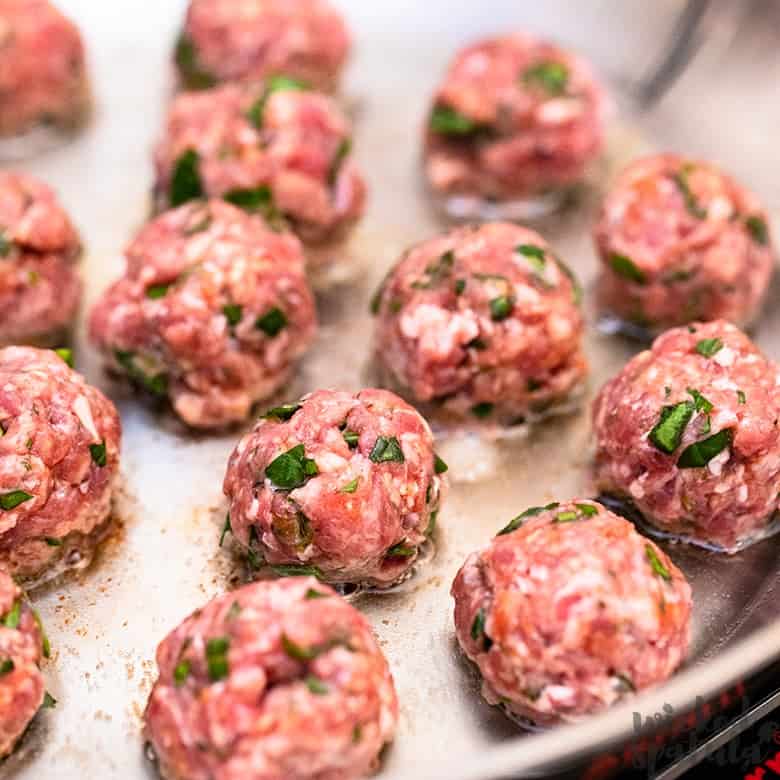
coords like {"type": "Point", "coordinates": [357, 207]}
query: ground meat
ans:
{"type": "Point", "coordinates": [484, 320]}
{"type": "Point", "coordinates": [279, 680]}
{"type": "Point", "coordinates": [681, 241]}
{"type": "Point", "coordinates": [688, 432]}
{"type": "Point", "coordinates": [515, 117]}
{"type": "Point", "coordinates": [59, 457]}
{"type": "Point", "coordinates": [213, 312]}
{"type": "Point", "coordinates": [43, 78]}
{"type": "Point", "coordinates": [40, 289]}
{"type": "Point", "coordinates": [225, 40]}
{"type": "Point", "coordinates": [346, 485]}
{"type": "Point", "coordinates": [22, 645]}
{"type": "Point", "coordinates": [274, 148]}
{"type": "Point", "coordinates": [569, 610]}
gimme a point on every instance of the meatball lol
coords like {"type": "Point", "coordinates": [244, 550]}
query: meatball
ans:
{"type": "Point", "coordinates": [569, 610]}
{"type": "Point", "coordinates": [40, 289]}
{"type": "Point", "coordinates": [484, 321]}
{"type": "Point", "coordinates": [59, 459]}
{"type": "Point", "coordinates": [688, 433]}
{"type": "Point", "coordinates": [516, 119]}
{"type": "Point", "coordinates": [213, 312]}
{"type": "Point", "coordinates": [22, 645]}
{"type": "Point", "coordinates": [342, 485]}
{"type": "Point", "coordinates": [279, 680]}
{"type": "Point", "coordinates": [43, 76]}
{"type": "Point", "coordinates": [681, 241]}
{"type": "Point", "coordinates": [274, 148]}
{"type": "Point", "coordinates": [224, 40]}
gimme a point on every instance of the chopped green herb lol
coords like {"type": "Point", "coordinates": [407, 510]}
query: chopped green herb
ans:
{"type": "Point", "coordinates": [12, 499]}
{"type": "Point", "coordinates": [186, 183]}
{"type": "Point", "coordinates": [447, 121]}
{"type": "Point", "coordinates": [668, 431]}
{"type": "Point", "coordinates": [401, 550]}
{"type": "Point", "coordinates": [11, 620]}
{"type": "Point", "coordinates": [357, 734]}
{"type": "Point", "coordinates": [533, 511]}
{"type": "Point", "coordinates": [683, 185]}
{"type": "Point", "coordinates": [552, 77]}
{"type": "Point", "coordinates": [52, 542]}
{"type": "Point", "coordinates": [272, 322]}
{"type": "Point", "coordinates": [296, 570]}
{"type": "Point", "coordinates": [98, 453]}
{"type": "Point", "coordinates": [535, 256]}
{"type": "Point", "coordinates": [49, 702]}
{"type": "Point", "coordinates": [6, 666]}
{"type": "Point", "coordinates": [157, 291]}
{"type": "Point", "coordinates": [477, 343]}
{"type": "Point", "coordinates": [350, 487]}
{"type": "Point", "coordinates": [6, 245]}
{"type": "Point", "coordinates": [283, 412]}
{"type": "Point", "coordinates": [312, 594]}
{"type": "Point", "coordinates": [706, 426]}
{"type": "Point", "coordinates": [478, 630]}
{"type": "Point", "coordinates": [482, 410]}
{"type": "Point", "coordinates": [741, 397]}
{"type": "Point", "coordinates": [233, 313]}
{"type": "Point", "coordinates": [226, 529]}
{"type": "Point", "coordinates": [255, 199]}
{"type": "Point", "coordinates": [344, 148]}
{"type": "Point", "coordinates": [758, 230]}
{"type": "Point", "coordinates": [700, 402]}
{"type": "Point", "coordinates": [501, 307]}
{"type": "Point", "coordinates": [588, 510]}
{"type": "Point", "coordinates": [575, 282]}
{"type": "Point", "coordinates": [45, 644]}
{"type": "Point", "coordinates": [299, 653]}
{"type": "Point", "coordinates": [430, 530]}
{"type": "Point", "coordinates": [709, 347]}
{"type": "Point", "coordinates": [566, 517]}
{"type": "Point", "coordinates": [387, 449]}
{"type": "Point", "coordinates": [460, 286]}
{"type": "Point", "coordinates": [656, 563]}
{"type": "Point", "coordinates": [439, 466]}
{"type": "Point", "coordinates": [181, 673]}
{"type": "Point", "coordinates": [273, 84]}
{"type": "Point", "coordinates": [217, 657]}
{"type": "Point", "coordinates": [156, 385]}
{"type": "Point", "coordinates": [315, 685]}
{"type": "Point", "coordinates": [291, 469]}
{"type": "Point", "coordinates": [192, 72]}
{"type": "Point", "coordinates": [351, 438]}
{"type": "Point", "coordinates": [66, 355]}
{"type": "Point", "coordinates": [435, 272]}
{"type": "Point", "coordinates": [700, 453]}
{"type": "Point", "coordinates": [624, 266]}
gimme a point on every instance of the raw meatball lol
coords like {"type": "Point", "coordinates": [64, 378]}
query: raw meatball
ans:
{"type": "Point", "coordinates": [279, 680]}
{"type": "Point", "coordinates": [40, 289]}
{"type": "Point", "coordinates": [43, 77]}
{"type": "Point", "coordinates": [213, 312]}
{"type": "Point", "coordinates": [271, 148]}
{"type": "Point", "coordinates": [59, 459]}
{"type": "Point", "coordinates": [681, 241]}
{"type": "Point", "coordinates": [688, 432]}
{"type": "Point", "coordinates": [22, 645]}
{"type": "Point", "coordinates": [347, 486]}
{"type": "Point", "coordinates": [225, 40]}
{"type": "Point", "coordinates": [568, 610]}
{"type": "Point", "coordinates": [515, 118]}
{"type": "Point", "coordinates": [485, 321]}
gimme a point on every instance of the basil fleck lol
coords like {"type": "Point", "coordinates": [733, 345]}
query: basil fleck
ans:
{"type": "Point", "coordinates": [656, 563]}
{"type": "Point", "coordinates": [49, 702]}
{"type": "Point", "coordinates": [233, 313]}
{"type": "Point", "coordinates": [12, 499]}
{"type": "Point", "coordinates": [296, 570]}
{"type": "Point", "coordinates": [312, 594]}
{"type": "Point", "coordinates": [478, 630]}
{"type": "Point", "coordinates": [501, 307]}
{"type": "Point", "coordinates": [566, 517]}
{"type": "Point", "coordinates": [52, 542]}
{"type": "Point", "coordinates": [66, 355]}
{"type": "Point", "coordinates": [668, 431]}
{"type": "Point", "coordinates": [741, 397]}
{"type": "Point", "coordinates": [6, 245]}
{"type": "Point", "coordinates": [351, 438]}
{"type": "Point", "coordinates": [273, 84]}
{"type": "Point", "coordinates": [195, 76]}
{"type": "Point", "coordinates": [283, 412]}
{"type": "Point", "coordinates": [552, 77]}
{"type": "Point", "coordinates": [447, 121]}
{"type": "Point", "coordinates": [700, 402]}
{"type": "Point", "coordinates": [387, 449]}
{"type": "Point", "coordinates": [709, 347]}
{"type": "Point", "coordinates": [439, 466]}
{"type": "Point", "coordinates": [272, 322]}
{"type": "Point", "coordinates": [217, 658]}
{"type": "Point", "coordinates": [758, 230]}
{"type": "Point", "coordinates": [254, 199]}
{"type": "Point", "coordinates": [45, 644]}
{"type": "Point", "coordinates": [186, 183]}
{"type": "Point", "coordinates": [98, 453]}
{"type": "Point", "coordinates": [482, 410]}
{"type": "Point", "coordinates": [299, 653]}
{"type": "Point", "coordinates": [401, 550]}
{"type": "Point", "coordinates": [700, 453]}
{"type": "Point", "coordinates": [291, 469]}
{"type": "Point", "coordinates": [157, 291]}
{"type": "Point", "coordinates": [350, 487]}
{"type": "Point", "coordinates": [533, 511]}
{"type": "Point", "coordinates": [460, 286]}
{"type": "Point", "coordinates": [6, 666]}
{"type": "Point", "coordinates": [181, 673]}
{"type": "Point", "coordinates": [683, 185]}
{"type": "Point", "coordinates": [535, 256]}
{"type": "Point", "coordinates": [316, 686]}
{"type": "Point", "coordinates": [624, 266]}
{"type": "Point", "coordinates": [14, 615]}
{"type": "Point", "coordinates": [344, 148]}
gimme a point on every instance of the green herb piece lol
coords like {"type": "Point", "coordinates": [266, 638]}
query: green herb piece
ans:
{"type": "Point", "coordinates": [668, 431]}
{"type": "Point", "coordinates": [157, 385]}
{"type": "Point", "coordinates": [533, 511]}
{"type": "Point", "coordinates": [234, 611]}
{"type": "Point", "coordinates": [387, 449]}
{"type": "Point", "coordinates": [254, 199]}
{"type": "Point", "coordinates": [566, 517]}
{"type": "Point", "coordinates": [709, 347]}
{"type": "Point", "coordinates": [741, 397]}
{"type": "Point", "coordinates": [273, 84]}
{"type": "Point", "coordinates": [758, 230]}
{"type": "Point", "coordinates": [6, 666]}
{"type": "Point", "coordinates": [283, 412]}
{"type": "Point", "coordinates": [315, 685]}
{"type": "Point", "coordinates": [6, 245]}
{"type": "Point", "coordinates": [588, 510]}
{"type": "Point", "coordinates": [181, 673]}
{"type": "Point", "coordinates": [217, 658]}
{"type": "Point", "coordinates": [299, 653]}
{"type": "Point", "coordinates": [11, 620]}
{"type": "Point", "coordinates": [312, 594]}
{"type": "Point", "coordinates": [501, 307]}
{"type": "Point", "coordinates": [49, 702]}
{"type": "Point", "coordinates": [157, 291]}
{"type": "Point", "coordinates": [706, 426]}
{"type": "Point", "coordinates": [186, 183]}
{"type": "Point", "coordinates": [478, 630]}
{"type": "Point", "coordinates": [700, 402]}
{"type": "Point", "coordinates": [226, 529]}
{"type": "Point", "coordinates": [439, 466]}
{"type": "Point", "coordinates": [576, 287]}
{"type": "Point", "coordinates": [447, 121]}
{"type": "Point", "coordinates": [624, 266]}
{"type": "Point", "coordinates": [272, 322]}
{"type": "Point", "coordinates": [350, 487]}
{"type": "Point", "coordinates": [656, 563]}
{"type": "Point", "coordinates": [351, 438]}
{"type": "Point", "coordinates": [401, 550]}
{"type": "Point", "coordinates": [233, 313]}
{"type": "Point", "coordinates": [291, 469]}
{"type": "Point", "coordinates": [296, 570]}
{"type": "Point", "coordinates": [431, 528]}
{"type": "Point", "coordinates": [683, 185]}
{"type": "Point", "coordinates": [195, 76]}
{"type": "Point", "coordinates": [45, 644]}
{"type": "Point", "coordinates": [436, 272]}
{"type": "Point", "coordinates": [482, 410]}
{"type": "Point", "coordinates": [98, 453]}
{"type": "Point", "coordinates": [66, 355]}
{"type": "Point", "coordinates": [552, 77]}
{"type": "Point", "coordinates": [535, 256]}
{"type": "Point", "coordinates": [52, 542]}
{"type": "Point", "coordinates": [700, 453]}
{"type": "Point", "coordinates": [477, 343]}
{"type": "Point", "coordinates": [460, 286]}
{"type": "Point", "coordinates": [344, 148]}
{"type": "Point", "coordinates": [357, 734]}
{"type": "Point", "coordinates": [12, 499]}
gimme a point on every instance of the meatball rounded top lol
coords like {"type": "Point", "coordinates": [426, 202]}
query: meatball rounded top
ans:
{"type": "Point", "coordinates": [213, 310]}
{"type": "Point", "coordinates": [279, 680]}
{"type": "Point", "coordinates": [487, 312]}
{"type": "Point", "coordinates": [345, 482]}
{"type": "Point", "coordinates": [688, 430]}
{"type": "Point", "coordinates": [569, 608]}
{"type": "Point", "coordinates": [227, 41]}
{"type": "Point", "coordinates": [273, 147]}
{"type": "Point", "coordinates": [669, 217]}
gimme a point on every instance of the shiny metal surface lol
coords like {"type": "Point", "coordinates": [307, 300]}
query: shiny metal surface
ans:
{"type": "Point", "coordinates": [105, 623]}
